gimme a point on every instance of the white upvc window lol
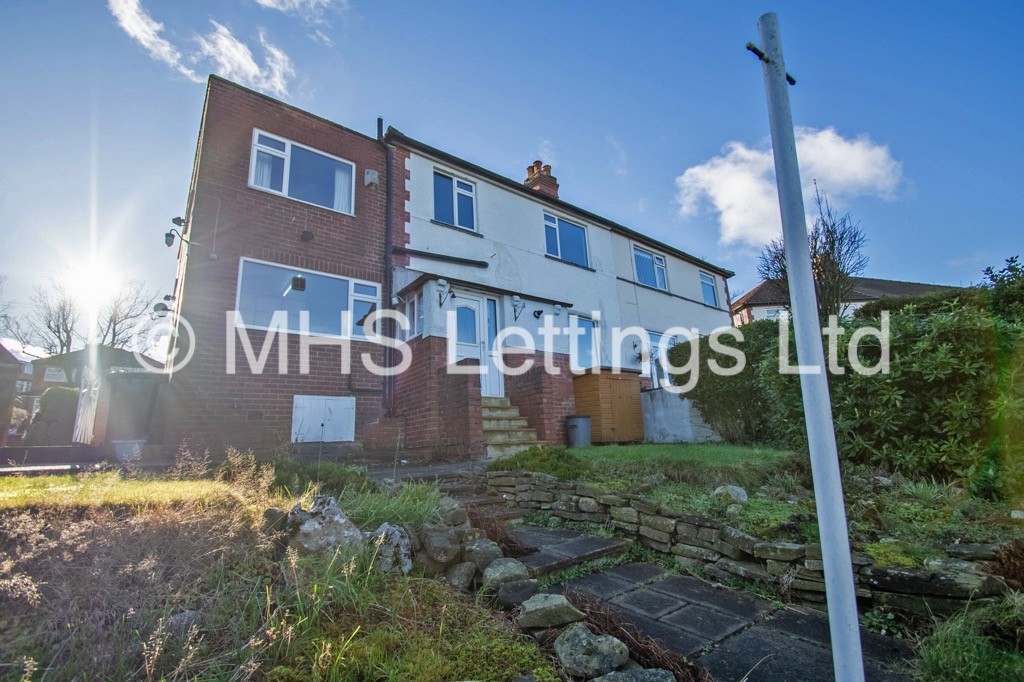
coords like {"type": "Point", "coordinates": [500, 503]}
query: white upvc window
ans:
{"type": "Point", "coordinates": [566, 240]}
{"type": "Point", "coordinates": [650, 268]}
{"type": "Point", "coordinates": [413, 311]}
{"type": "Point", "coordinates": [659, 374]}
{"type": "Point", "coordinates": [709, 289]}
{"type": "Point", "coordinates": [584, 352]}
{"type": "Point", "coordinates": [55, 374]}
{"type": "Point", "coordinates": [266, 288]}
{"type": "Point", "coordinates": [292, 170]}
{"type": "Point", "coordinates": [454, 201]}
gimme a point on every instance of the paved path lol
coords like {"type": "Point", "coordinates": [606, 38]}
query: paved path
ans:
{"type": "Point", "coordinates": [731, 634]}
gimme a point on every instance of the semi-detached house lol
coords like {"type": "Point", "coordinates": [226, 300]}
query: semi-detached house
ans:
{"type": "Point", "coordinates": [290, 212]}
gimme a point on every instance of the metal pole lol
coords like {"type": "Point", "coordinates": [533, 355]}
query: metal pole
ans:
{"type": "Point", "coordinates": [821, 439]}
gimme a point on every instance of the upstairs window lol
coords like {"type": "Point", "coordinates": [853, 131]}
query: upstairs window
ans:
{"type": "Point", "coordinates": [266, 288]}
{"type": "Point", "coordinates": [566, 241]}
{"type": "Point", "coordinates": [650, 269]}
{"type": "Point", "coordinates": [709, 289]}
{"type": "Point", "coordinates": [55, 374]}
{"type": "Point", "coordinates": [454, 201]}
{"type": "Point", "coordinates": [292, 170]}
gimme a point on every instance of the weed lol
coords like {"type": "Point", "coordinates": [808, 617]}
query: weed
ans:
{"type": "Point", "coordinates": [496, 530]}
{"type": "Point", "coordinates": [556, 461]}
{"type": "Point", "coordinates": [895, 554]}
{"type": "Point", "coordinates": [884, 622]}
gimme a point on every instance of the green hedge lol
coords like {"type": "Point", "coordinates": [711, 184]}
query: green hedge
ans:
{"type": "Point", "coordinates": [54, 423]}
{"type": "Point", "coordinates": [952, 404]}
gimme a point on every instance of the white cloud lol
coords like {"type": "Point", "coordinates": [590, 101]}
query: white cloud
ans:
{"type": "Point", "coordinates": [546, 153]}
{"type": "Point", "coordinates": [620, 159]}
{"type": "Point", "coordinates": [739, 184]}
{"type": "Point", "coordinates": [233, 59]}
{"type": "Point", "coordinates": [310, 10]}
{"type": "Point", "coordinates": [137, 23]}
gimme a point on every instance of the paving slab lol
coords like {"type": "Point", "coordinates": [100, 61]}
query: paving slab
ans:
{"type": "Point", "coordinates": [813, 627]}
{"type": "Point", "coordinates": [639, 572]}
{"type": "Point", "coordinates": [676, 639]}
{"type": "Point", "coordinates": [601, 585]}
{"type": "Point", "coordinates": [650, 603]}
{"type": "Point", "coordinates": [761, 655]}
{"type": "Point", "coordinates": [705, 622]}
{"type": "Point", "coordinates": [716, 597]}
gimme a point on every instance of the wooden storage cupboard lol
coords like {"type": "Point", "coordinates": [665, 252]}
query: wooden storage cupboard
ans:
{"type": "Point", "coordinates": [612, 401]}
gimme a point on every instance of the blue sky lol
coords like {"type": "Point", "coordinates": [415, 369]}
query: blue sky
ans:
{"type": "Point", "coordinates": [653, 115]}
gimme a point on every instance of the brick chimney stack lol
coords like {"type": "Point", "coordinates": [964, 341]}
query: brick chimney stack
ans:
{"type": "Point", "coordinates": [540, 179]}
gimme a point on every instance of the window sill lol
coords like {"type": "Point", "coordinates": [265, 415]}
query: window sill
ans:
{"type": "Point", "coordinates": [464, 230]}
{"type": "Point", "coordinates": [669, 293]}
{"type": "Point", "coordinates": [575, 265]}
{"type": "Point", "coordinates": [648, 286]}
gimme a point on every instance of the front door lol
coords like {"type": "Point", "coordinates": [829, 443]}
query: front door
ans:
{"type": "Point", "coordinates": [476, 326]}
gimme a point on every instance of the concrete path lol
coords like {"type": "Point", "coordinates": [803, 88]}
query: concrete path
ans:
{"type": "Point", "coordinates": [732, 634]}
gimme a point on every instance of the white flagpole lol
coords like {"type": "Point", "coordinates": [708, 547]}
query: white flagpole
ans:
{"type": "Point", "coordinates": [821, 439]}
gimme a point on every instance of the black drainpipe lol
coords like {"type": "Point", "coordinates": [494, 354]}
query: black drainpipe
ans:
{"type": "Point", "coordinates": [388, 383]}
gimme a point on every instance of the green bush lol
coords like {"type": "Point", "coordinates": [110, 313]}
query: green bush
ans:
{"type": "Point", "coordinates": [735, 406]}
{"type": "Point", "coordinates": [54, 423]}
{"type": "Point", "coordinates": [557, 461]}
{"type": "Point", "coordinates": [951, 405]}
{"type": "Point", "coordinates": [926, 304]}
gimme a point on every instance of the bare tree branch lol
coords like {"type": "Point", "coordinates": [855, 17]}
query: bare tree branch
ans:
{"type": "Point", "coordinates": [119, 316]}
{"type": "Point", "coordinates": [837, 258]}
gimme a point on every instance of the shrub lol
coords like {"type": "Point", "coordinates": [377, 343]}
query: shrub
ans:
{"type": "Point", "coordinates": [926, 304]}
{"type": "Point", "coordinates": [54, 423]}
{"type": "Point", "coordinates": [735, 406]}
{"type": "Point", "coordinates": [557, 461]}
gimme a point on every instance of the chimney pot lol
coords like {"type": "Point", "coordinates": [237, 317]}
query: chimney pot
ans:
{"type": "Point", "coordinates": [540, 179]}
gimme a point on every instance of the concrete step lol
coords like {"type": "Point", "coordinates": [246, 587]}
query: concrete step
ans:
{"type": "Point", "coordinates": [561, 549]}
{"type": "Point", "coordinates": [499, 423]}
{"type": "Point", "coordinates": [510, 436]}
{"type": "Point", "coordinates": [499, 450]}
{"type": "Point", "coordinates": [500, 412]}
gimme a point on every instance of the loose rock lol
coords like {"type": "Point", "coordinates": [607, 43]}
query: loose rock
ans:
{"type": "Point", "coordinates": [548, 611]}
{"type": "Point", "coordinates": [512, 595]}
{"type": "Point", "coordinates": [394, 551]}
{"type": "Point", "coordinates": [637, 675]}
{"type": "Point", "coordinates": [584, 654]}
{"type": "Point", "coordinates": [503, 571]}
{"type": "Point", "coordinates": [325, 528]}
{"type": "Point", "coordinates": [482, 552]}
{"type": "Point", "coordinates": [732, 494]}
{"type": "Point", "coordinates": [460, 576]}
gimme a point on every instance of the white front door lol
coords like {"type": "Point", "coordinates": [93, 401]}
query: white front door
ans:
{"type": "Point", "coordinates": [476, 326]}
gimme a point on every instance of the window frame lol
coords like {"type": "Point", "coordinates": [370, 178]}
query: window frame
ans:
{"type": "Point", "coordinates": [50, 369]}
{"type": "Point", "coordinates": [714, 288]}
{"type": "Point", "coordinates": [352, 297]}
{"type": "Point", "coordinates": [659, 375]}
{"type": "Point", "coordinates": [456, 191]}
{"type": "Point", "coordinates": [595, 347]}
{"type": "Point", "coordinates": [558, 238]}
{"type": "Point", "coordinates": [655, 256]}
{"type": "Point", "coordinates": [413, 305]}
{"type": "Point", "coordinates": [287, 156]}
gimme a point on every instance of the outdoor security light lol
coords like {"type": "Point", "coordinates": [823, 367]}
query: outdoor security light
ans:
{"type": "Point", "coordinates": [298, 283]}
{"type": "Point", "coordinates": [160, 310]}
{"type": "Point", "coordinates": [179, 221]}
{"type": "Point", "coordinates": [517, 306]}
{"type": "Point", "coordinates": [537, 313]}
{"type": "Point", "coordinates": [169, 238]}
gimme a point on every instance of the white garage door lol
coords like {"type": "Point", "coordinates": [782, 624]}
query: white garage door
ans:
{"type": "Point", "coordinates": [317, 418]}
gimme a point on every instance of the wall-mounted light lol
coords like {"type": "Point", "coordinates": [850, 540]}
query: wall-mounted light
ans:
{"type": "Point", "coordinates": [558, 309]}
{"type": "Point", "coordinates": [517, 306]}
{"type": "Point", "coordinates": [307, 236]}
{"type": "Point", "coordinates": [160, 310]}
{"type": "Point", "coordinates": [298, 283]}
{"type": "Point", "coordinates": [537, 313]}
{"type": "Point", "coordinates": [169, 238]}
{"type": "Point", "coordinates": [444, 292]}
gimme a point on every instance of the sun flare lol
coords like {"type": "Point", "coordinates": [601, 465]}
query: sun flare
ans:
{"type": "Point", "coordinates": [93, 284]}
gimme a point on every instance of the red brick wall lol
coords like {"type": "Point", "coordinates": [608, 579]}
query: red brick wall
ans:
{"type": "Point", "coordinates": [544, 399]}
{"type": "Point", "coordinates": [209, 407]}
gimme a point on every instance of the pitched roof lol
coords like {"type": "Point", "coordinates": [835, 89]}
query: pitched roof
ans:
{"type": "Point", "coordinates": [864, 289]}
{"type": "Point", "coordinates": [23, 352]}
{"type": "Point", "coordinates": [394, 135]}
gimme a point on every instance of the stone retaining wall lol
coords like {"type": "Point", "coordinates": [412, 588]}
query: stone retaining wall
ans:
{"type": "Point", "coordinates": [942, 587]}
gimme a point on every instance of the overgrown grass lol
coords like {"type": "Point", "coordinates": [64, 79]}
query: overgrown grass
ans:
{"type": "Point", "coordinates": [108, 490]}
{"type": "Point", "coordinates": [982, 644]}
{"type": "Point", "coordinates": [95, 569]}
{"type": "Point", "coordinates": [556, 461]}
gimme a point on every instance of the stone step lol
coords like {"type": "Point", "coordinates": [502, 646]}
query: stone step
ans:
{"type": "Point", "coordinates": [500, 412]}
{"type": "Point", "coordinates": [454, 488]}
{"type": "Point", "coordinates": [558, 550]}
{"type": "Point", "coordinates": [498, 423]}
{"type": "Point", "coordinates": [499, 450]}
{"type": "Point", "coordinates": [495, 402]}
{"type": "Point", "coordinates": [500, 436]}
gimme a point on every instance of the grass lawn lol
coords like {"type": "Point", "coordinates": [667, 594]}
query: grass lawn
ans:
{"type": "Point", "coordinates": [95, 568]}
{"type": "Point", "coordinates": [703, 454]}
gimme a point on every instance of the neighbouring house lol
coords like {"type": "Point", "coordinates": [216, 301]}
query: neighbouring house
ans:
{"type": "Point", "coordinates": [291, 212]}
{"type": "Point", "coordinates": [769, 300]}
{"type": "Point", "coordinates": [16, 382]}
